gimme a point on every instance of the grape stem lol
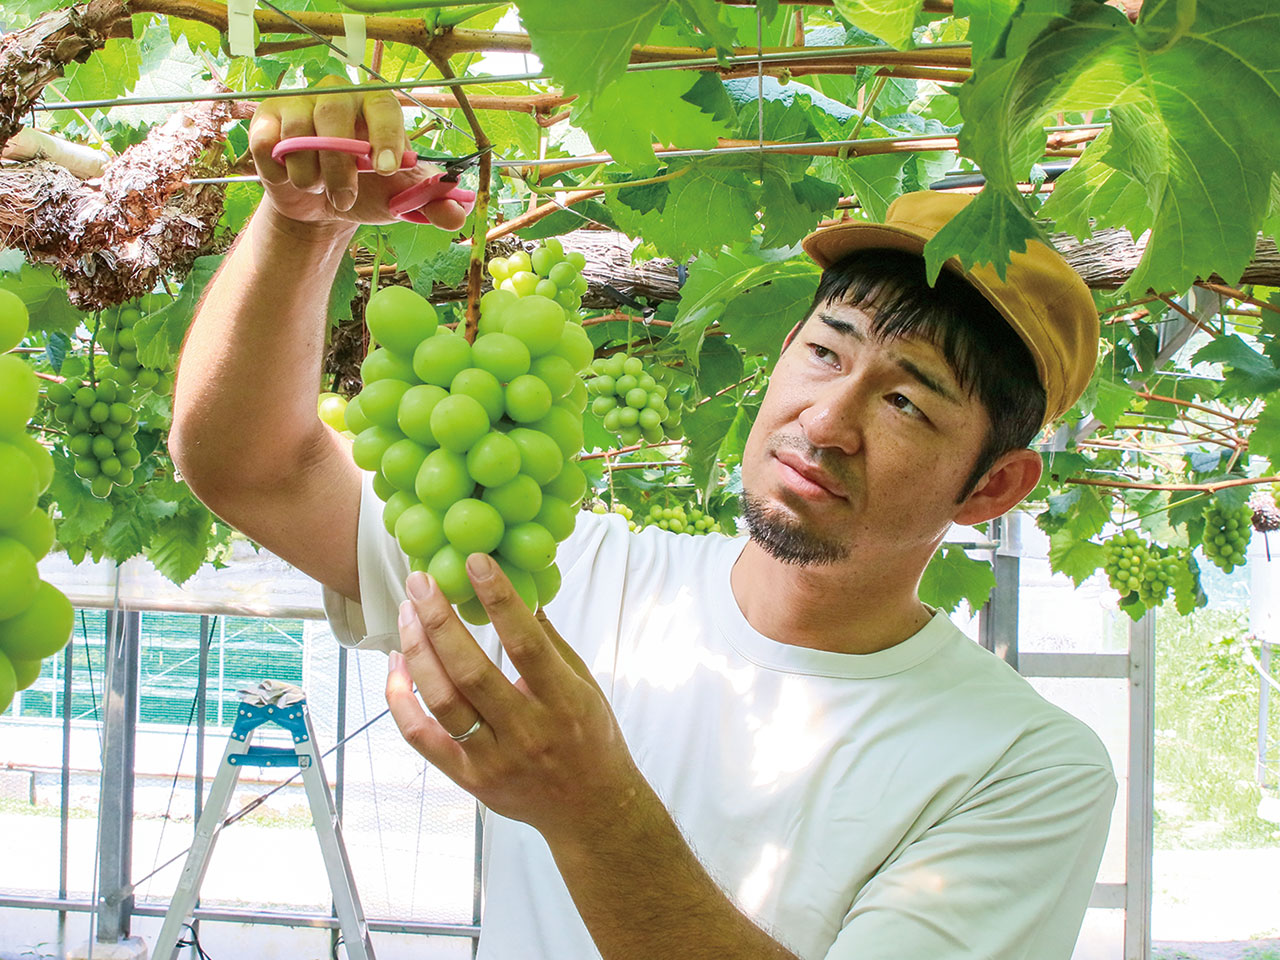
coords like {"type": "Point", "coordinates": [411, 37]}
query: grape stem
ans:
{"type": "Point", "coordinates": [480, 213]}
{"type": "Point", "coordinates": [1235, 294]}
{"type": "Point", "coordinates": [52, 378]}
{"type": "Point", "coordinates": [537, 213]}
{"type": "Point", "coordinates": [606, 454]}
{"type": "Point", "coordinates": [590, 184]}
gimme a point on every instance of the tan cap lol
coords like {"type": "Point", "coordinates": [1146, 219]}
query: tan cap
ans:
{"type": "Point", "coordinates": [1042, 297]}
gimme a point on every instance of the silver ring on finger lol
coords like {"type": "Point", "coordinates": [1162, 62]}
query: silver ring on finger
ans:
{"type": "Point", "coordinates": [471, 731]}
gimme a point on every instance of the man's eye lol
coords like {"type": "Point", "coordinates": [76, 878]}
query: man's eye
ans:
{"type": "Point", "coordinates": [905, 405]}
{"type": "Point", "coordinates": [822, 353]}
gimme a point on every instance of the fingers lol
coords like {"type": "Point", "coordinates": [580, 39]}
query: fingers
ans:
{"type": "Point", "coordinates": [474, 675]}
{"type": "Point", "coordinates": [531, 650]}
{"type": "Point", "coordinates": [453, 711]}
{"type": "Point", "coordinates": [335, 116]}
{"type": "Point", "coordinates": [264, 134]}
{"type": "Point", "coordinates": [445, 214]}
{"type": "Point", "coordinates": [570, 656]}
{"type": "Point", "coordinates": [424, 734]}
{"type": "Point", "coordinates": [296, 121]}
{"type": "Point", "coordinates": [384, 125]}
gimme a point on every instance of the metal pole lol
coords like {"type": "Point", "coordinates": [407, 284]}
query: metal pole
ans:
{"type": "Point", "coordinates": [1264, 711]}
{"type": "Point", "coordinates": [1141, 800]}
{"type": "Point", "coordinates": [340, 767]}
{"type": "Point", "coordinates": [998, 618]}
{"type": "Point", "coordinates": [115, 823]}
{"type": "Point", "coordinates": [64, 824]}
{"type": "Point", "coordinates": [202, 699]}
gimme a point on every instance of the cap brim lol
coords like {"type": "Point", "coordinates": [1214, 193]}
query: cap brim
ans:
{"type": "Point", "coordinates": [832, 244]}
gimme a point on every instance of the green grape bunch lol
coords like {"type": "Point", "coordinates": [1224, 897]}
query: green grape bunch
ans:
{"type": "Point", "coordinates": [472, 445]}
{"type": "Point", "coordinates": [634, 401]}
{"type": "Point", "coordinates": [119, 339]}
{"type": "Point", "coordinates": [549, 272]}
{"type": "Point", "coordinates": [1227, 531]}
{"type": "Point", "coordinates": [35, 618]}
{"type": "Point", "coordinates": [1139, 570]}
{"type": "Point", "coordinates": [102, 430]}
{"type": "Point", "coordinates": [673, 518]}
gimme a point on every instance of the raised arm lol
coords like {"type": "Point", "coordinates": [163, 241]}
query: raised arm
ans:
{"type": "Point", "coordinates": [245, 435]}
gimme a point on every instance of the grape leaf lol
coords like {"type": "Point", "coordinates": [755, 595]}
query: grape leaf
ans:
{"type": "Point", "coordinates": [986, 21]}
{"type": "Point", "coordinates": [951, 576]}
{"type": "Point", "coordinates": [1185, 143]}
{"type": "Point", "coordinates": [890, 20]}
{"type": "Point", "coordinates": [80, 514]}
{"type": "Point", "coordinates": [181, 542]}
{"type": "Point", "coordinates": [625, 118]}
{"type": "Point", "coordinates": [46, 299]}
{"type": "Point", "coordinates": [705, 429]}
{"type": "Point", "coordinates": [1250, 373]}
{"type": "Point", "coordinates": [584, 49]}
{"type": "Point", "coordinates": [342, 292]}
{"type": "Point", "coordinates": [1094, 195]}
{"type": "Point", "coordinates": [715, 281]}
{"type": "Point", "coordinates": [103, 75]}
{"type": "Point", "coordinates": [160, 334]}
{"type": "Point", "coordinates": [1264, 439]}
{"type": "Point", "coordinates": [1076, 558]}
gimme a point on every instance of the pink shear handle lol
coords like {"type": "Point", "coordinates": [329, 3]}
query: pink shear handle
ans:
{"type": "Point", "coordinates": [360, 149]}
{"type": "Point", "coordinates": [407, 204]}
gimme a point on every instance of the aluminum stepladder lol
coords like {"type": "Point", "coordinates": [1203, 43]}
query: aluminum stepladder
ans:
{"type": "Point", "coordinates": [296, 719]}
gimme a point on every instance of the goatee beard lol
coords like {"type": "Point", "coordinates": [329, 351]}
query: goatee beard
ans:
{"type": "Point", "coordinates": [788, 540]}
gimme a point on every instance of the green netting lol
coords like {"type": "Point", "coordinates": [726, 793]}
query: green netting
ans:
{"type": "Point", "coordinates": [242, 650]}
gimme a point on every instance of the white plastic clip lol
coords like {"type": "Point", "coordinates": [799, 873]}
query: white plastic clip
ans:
{"type": "Point", "coordinates": [353, 43]}
{"type": "Point", "coordinates": [240, 27]}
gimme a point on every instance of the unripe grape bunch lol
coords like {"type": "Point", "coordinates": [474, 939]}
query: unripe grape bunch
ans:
{"type": "Point", "coordinates": [1227, 532]}
{"type": "Point", "coordinates": [1140, 570]}
{"type": "Point", "coordinates": [35, 618]}
{"type": "Point", "coordinates": [473, 444]}
{"type": "Point", "coordinates": [118, 338]}
{"type": "Point", "coordinates": [549, 272]}
{"type": "Point", "coordinates": [101, 428]}
{"type": "Point", "coordinates": [672, 517]}
{"type": "Point", "coordinates": [633, 400]}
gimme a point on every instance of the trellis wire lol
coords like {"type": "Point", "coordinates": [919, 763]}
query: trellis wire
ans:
{"type": "Point", "coordinates": [673, 154]}
{"type": "Point", "coordinates": [818, 54]}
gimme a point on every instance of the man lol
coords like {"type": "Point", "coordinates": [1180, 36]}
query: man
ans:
{"type": "Point", "coordinates": [759, 748]}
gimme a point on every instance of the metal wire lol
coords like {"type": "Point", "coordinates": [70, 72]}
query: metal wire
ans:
{"type": "Point", "coordinates": [672, 154]}
{"type": "Point", "coordinates": [363, 66]}
{"type": "Point", "coordinates": [817, 55]}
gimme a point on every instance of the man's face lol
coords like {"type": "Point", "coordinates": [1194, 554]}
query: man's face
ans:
{"type": "Point", "coordinates": [859, 445]}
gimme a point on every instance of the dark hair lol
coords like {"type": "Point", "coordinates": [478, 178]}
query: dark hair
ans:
{"type": "Point", "coordinates": [988, 359]}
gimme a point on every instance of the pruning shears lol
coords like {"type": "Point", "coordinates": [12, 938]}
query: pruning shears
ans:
{"type": "Point", "coordinates": [407, 204]}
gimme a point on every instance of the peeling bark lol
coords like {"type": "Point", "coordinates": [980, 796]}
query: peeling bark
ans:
{"type": "Point", "coordinates": [113, 237]}
{"type": "Point", "coordinates": [31, 57]}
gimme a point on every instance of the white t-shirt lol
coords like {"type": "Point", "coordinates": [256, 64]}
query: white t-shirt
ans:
{"type": "Point", "coordinates": [918, 803]}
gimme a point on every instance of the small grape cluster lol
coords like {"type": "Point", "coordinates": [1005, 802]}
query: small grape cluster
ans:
{"type": "Point", "coordinates": [673, 518]}
{"type": "Point", "coordinates": [1227, 532]}
{"type": "Point", "coordinates": [472, 444]}
{"type": "Point", "coordinates": [331, 408]}
{"type": "Point", "coordinates": [120, 341]}
{"type": "Point", "coordinates": [635, 401]}
{"type": "Point", "coordinates": [35, 617]}
{"type": "Point", "coordinates": [1137, 568]}
{"type": "Point", "coordinates": [549, 272]}
{"type": "Point", "coordinates": [101, 430]}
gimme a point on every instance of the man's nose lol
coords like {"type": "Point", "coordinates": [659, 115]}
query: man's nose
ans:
{"type": "Point", "coordinates": [834, 418]}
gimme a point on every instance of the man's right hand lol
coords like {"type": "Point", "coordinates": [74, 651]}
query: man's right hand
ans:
{"type": "Point", "coordinates": [322, 187]}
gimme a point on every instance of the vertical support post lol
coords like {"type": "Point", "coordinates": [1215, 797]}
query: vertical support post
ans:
{"type": "Point", "coordinates": [1139, 826]}
{"type": "Point", "coordinates": [115, 823]}
{"type": "Point", "coordinates": [202, 708]}
{"type": "Point", "coordinates": [998, 618]}
{"type": "Point", "coordinates": [1264, 713]}
{"type": "Point", "coordinates": [340, 765]}
{"type": "Point", "coordinates": [64, 806]}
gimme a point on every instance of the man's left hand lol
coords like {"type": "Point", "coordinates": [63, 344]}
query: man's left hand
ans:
{"type": "Point", "coordinates": [548, 750]}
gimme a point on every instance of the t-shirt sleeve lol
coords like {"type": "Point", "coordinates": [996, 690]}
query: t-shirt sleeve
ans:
{"type": "Point", "coordinates": [1007, 875]}
{"type": "Point", "coordinates": [383, 567]}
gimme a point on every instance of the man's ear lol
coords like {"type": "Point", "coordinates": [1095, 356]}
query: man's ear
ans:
{"type": "Point", "coordinates": [1013, 476]}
